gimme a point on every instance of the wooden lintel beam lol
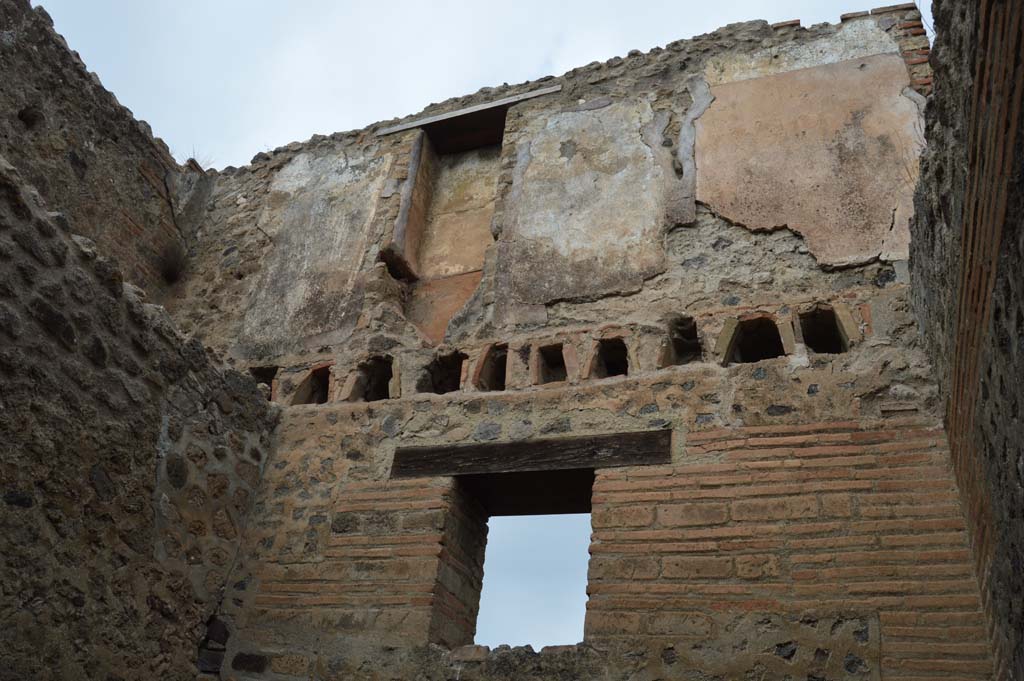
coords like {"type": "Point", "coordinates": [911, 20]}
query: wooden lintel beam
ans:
{"type": "Point", "coordinates": [507, 101]}
{"type": "Point", "coordinates": [544, 454]}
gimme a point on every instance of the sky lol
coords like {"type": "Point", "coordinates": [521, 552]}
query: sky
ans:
{"type": "Point", "coordinates": [535, 581]}
{"type": "Point", "coordinates": [223, 80]}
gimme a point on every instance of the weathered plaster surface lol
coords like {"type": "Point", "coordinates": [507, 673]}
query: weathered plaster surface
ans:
{"type": "Point", "coordinates": [851, 133]}
{"type": "Point", "coordinates": [318, 214]}
{"type": "Point", "coordinates": [85, 153]}
{"type": "Point", "coordinates": [852, 40]}
{"type": "Point", "coordinates": [587, 205]}
{"type": "Point", "coordinates": [459, 221]}
{"type": "Point", "coordinates": [434, 302]}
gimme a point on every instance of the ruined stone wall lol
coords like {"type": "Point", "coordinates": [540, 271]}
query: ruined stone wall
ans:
{"type": "Point", "coordinates": [805, 523]}
{"type": "Point", "coordinates": [129, 461]}
{"type": "Point", "coordinates": [86, 154]}
{"type": "Point", "coordinates": [966, 261]}
{"type": "Point", "coordinates": [834, 549]}
{"type": "Point", "coordinates": [592, 258]}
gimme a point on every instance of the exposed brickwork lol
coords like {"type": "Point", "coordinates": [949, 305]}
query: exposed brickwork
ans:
{"type": "Point", "coordinates": [813, 519]}
{"type": "Point", "coordinates": [967, 234]}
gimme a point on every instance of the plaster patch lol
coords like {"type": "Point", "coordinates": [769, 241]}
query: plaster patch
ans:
{"type": "Point", "coordinates": [318, 214]}
{"type": "Point", "coordinates": [830, 152]}
{"type": "Point", "coordinates": [588, 222]}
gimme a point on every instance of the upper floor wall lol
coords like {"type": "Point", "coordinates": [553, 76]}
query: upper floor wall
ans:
{"type": "Point", "coordinates": [547, 203]}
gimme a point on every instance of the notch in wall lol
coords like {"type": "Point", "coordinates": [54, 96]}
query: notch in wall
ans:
{"type": "Point", "coordinates": [820, 331]}
{"type": "Point", "coordinates": [492, 368]}
{"type": "Point", "coordinates": [610, 358]}
{"type": "Point", "coordinates": [315, 387]}
{"type": "Point", "coordinates": [749, 340]}
{"type": "Point", "coordinates": [549, 364]}
{"type": "Point", "coordinates": [372, 381]}
{"type": "Point", "coordinates": [443, 374]}
{"type": "Point", "coordinates": [471, 127]}
{"type": "Point", "coordinates": [682, 343]}
{"type": "Point", "coordinates": [828, 328]}
{"type": "Point", "coordinates": [265, 375]}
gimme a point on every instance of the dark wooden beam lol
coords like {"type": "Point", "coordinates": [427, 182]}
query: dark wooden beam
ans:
{"type": "Point", "coordinates": [532, 493]}
{"type": "Point", "coordinates": [505, 102]}
{"type": "Point", "coordinates": [547, 454]}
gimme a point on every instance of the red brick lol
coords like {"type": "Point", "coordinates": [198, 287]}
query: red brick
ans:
{"type": "Point", "coordinates": [681, 625]}
{"type": "Point", "coordinates": [693, 514]}
{"type": "Point", "coordinates": [622, 516]}
{"type": "Point", "coordinates": [623, 567]}
{"type": "Point", "coordinates": [775, 509]}
{"type": "Point", "coordinates": [840, 505]}
{"type": "Point", "coordinates": [939, 665]}
{"type": "Point", "coordinates": [696, 567]}
{"type": "Point", "coordinates": [757, 566]}
{"type": "Point", "coordinates": [599, 622]}
{"type": "Point", "coordinates": [663, 547]}
{"type": "Point", "coordinates": [937, 538]}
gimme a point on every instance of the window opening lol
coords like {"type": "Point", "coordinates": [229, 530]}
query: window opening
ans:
{"type": "Point", "coordinates": [551, 364]}
{"type": "Point", "coordinates": [533, 479]}
{"type": "Point", "coordinates": [611, 359]}
{"type": "Point", "coordinates": [754, 340]}
{"type": "Point", "coordinates": [493, 368]}
{"type": "Point", "coordinates": [821, 331]}
{"type": "Point", "coordinates": [442, 375]}
{"type": "Point", "coordinates": [530, 542]}
{"type": "Point", "coordinates": [315, 388]}
{"type": "Point", "coordinates": [535, 580]}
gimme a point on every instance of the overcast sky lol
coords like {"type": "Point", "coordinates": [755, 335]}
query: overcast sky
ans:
{"type": "Point", "coordinates": [225, 79]}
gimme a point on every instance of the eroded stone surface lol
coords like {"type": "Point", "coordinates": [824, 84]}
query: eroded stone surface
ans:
{"type": "Point", "coordinates": [853, 40]}
{"type": "Point", "coordinates": [806, 526]}
{"type": "Point", "coordinates": [124, 473]}
{"type": "Point", "coordinates": [459, 221]}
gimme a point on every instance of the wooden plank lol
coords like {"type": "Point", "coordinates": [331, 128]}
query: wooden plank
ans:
{"type": "Point", "coordinates": [507, 101]}
{"type": "Point", "coordinates": [547, 454]}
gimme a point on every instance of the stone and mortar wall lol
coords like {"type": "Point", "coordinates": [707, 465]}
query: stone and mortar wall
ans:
{"type": "Point", "coordinates": [128, 468]}
{"type": "Point", "coordinates": [807, 525]}
{"type": "Point", "coordinates": [745, 555]}
{"type": "Point", "coordinates": [967, 251]}
{"type": "Point", "coordinates": [87, 155]}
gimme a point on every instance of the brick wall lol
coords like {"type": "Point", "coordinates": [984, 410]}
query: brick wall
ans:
{"type": "Point", "coordinates": [759, 547]}
{"type": "Point", "coordinates": [966, 260]}
{"type": "Point", "coordinates": [824, 518]}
